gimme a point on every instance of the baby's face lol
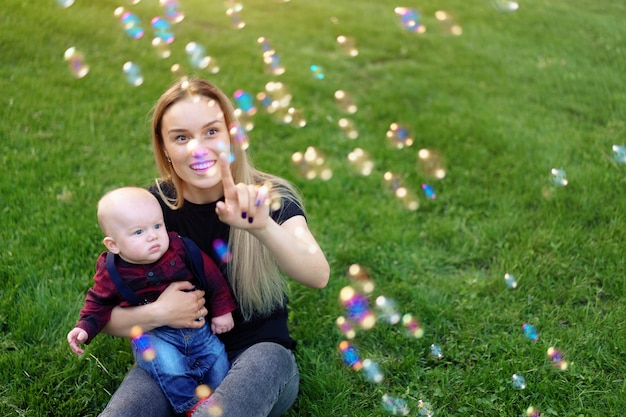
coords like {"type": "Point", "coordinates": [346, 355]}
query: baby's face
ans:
{"type": "Point", "coordinates": [140, 233]}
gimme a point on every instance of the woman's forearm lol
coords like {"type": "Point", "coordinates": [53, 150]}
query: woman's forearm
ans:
{"type": "Point", "coordinates": [124, 318]}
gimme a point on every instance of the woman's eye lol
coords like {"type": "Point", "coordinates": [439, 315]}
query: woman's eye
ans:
{"type": "Point", "coordinates": [212, 132]}
{"type": "Point", "coordinates": [180, 138]}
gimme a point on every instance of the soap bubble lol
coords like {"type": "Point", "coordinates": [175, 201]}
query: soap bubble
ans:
{"type": "Point", "coordinates": [238, 133]}
{"type": "Point", "coordinates": [533, 412]}
{"type": "Point", "coordinates": [447, 23]}
{"type": "Point", "coordinates": [619, 154]}
{"type": "Point", "coordinates": [130, 22]}
{"type": "Point", "coordinates": [372, 371]}
{"type": "Point", "coordinates": [436, 352]}
{"type": "Point", "coordinates": [399, 136]}
{"type": "Point", "coordinates": [347, 45]}
{"type": "Point", "coordinates": [518, 381]}
{"type": "Point", "coordinates": [388, 310]}
{"type": "Point", "coordinates": [530, 332]}
{"type": "Point", "coordinates": [361, 277]}
{"type": "Point", "coordinates": [429, 191]}
{"type": "Point", "coordinates": [245, 101]}
{"type": "Point", "coordinates": [505, 6]}
{"type": "Point", "coordinates": [510, 281]}
{"type": "Point", "coordinates": [76, 62]}
{"type": "Point", "coordinates": [345, 102]}
{"type": "Point", "coordinates": [357, 307]}
{"type": "Point", "coordinates": [270, 57]}
{"type": "Point", "coordinates": [161, 48]}
{"type": "Point", "coordinates": [431, 163]}
{"type": "Point", "coordinates": [557, 358]}
{"type": "Point", "coordinates": [197, 55]}
{"type": "Point", "coordinates": [559, 177]}
{"type": "Point", "coordinates": [410, 19]}
{"type": "Point", "coordinates": [424, 409]}
{"type": "Point", "coordinates": [171, 10]}
{"type": "Point", "coordinates": [395, 406]}
{"type": "Point", "coordinates": [361, 161]}
{"type": "Point", "coordinates": [233, 10]}
{"type": "Point", "coordinates": [412, 326]}
{"type": "Point", "coordinates": [65, 3]}
{"type": "Point", "coordinates": [133, 73]}
{"type": "Point", "coordinates": [317, 71]}
{"type": "Point", "coordinates": [162, 29]}
{"type": "Point", "coordinates": [222, 251]}
{"type": "Point", "coordinates": [142, 344]}
{"type": "Point", "coordinates": [350, 356]}
{"type": "Point", "coordinates": [345, 327]}
{"type": "Point", "coordinates": [348, 128]}
{"type": "Point", "coordinates": [312, 164]}
{"type": "Point", "coordinates": [276, 96]}
{"type": "Point", "coordinates": [400, 191]}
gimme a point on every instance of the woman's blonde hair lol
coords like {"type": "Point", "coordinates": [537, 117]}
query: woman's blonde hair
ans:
{"type": "Point", "coordinates": [253, 273]}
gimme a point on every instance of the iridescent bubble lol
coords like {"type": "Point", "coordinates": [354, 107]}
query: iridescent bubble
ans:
{"type": "Point", "coordinates": [293, 117]}
{"type": "Point", "coordinates": [142, 344]}
{"type": "Point", "coordinates": [76, 62]}
{"type": "Point", "coordinates": [447, 23]}
{"type": "Point", "coordinates": [346, 327]}
{"type": "Point", "coordinates": [270, 57]}
{"type": "Point", "coordinates": [429, 191]}
{"type": "Point", "coordinates": [372, 371]}
{"type": "Point", "coordinates": [436, 352]}
{"type": "Point", "coordinates": [395, 406]}
{"type": "Point", "coordinates": [361, 161]}
{"type": "Point", "coordinates": [233, 10]}
{"type": "Point", "coordinates": [345, 102]}
{"type": "Point", "coordinates": [557, 358]}
{"type": "Point", "coordinates": [348, 128]}
{"type": "Point", "coordinates": [410, 19]}
{"type": "Point", "coordinates": [161, 48]}
{"type": "Point", "coordinates": [172, 11]}
{"type": "Point", "coordinates": [276, 96]}
{"type": "Point", "coordinates": [559, 177]}
{"type": "Point", "coordinates": [431, 163]}
{"type": "Point", "coordinates": [412, 326]}
{"type": "Point", "coordinates": [197, 55]}
{"type": "Point", "coordinates": [162, 29]}
{"type": "Point", "coordinates": [357, 308]}
{"type": "Point", "coordinates": [424, 409]}
{"type": "Point", "coordinates": [312, 164]}
{"type": "Point", "coordinates": [533, 412]}
{"type": "Point", "coordinates": [65, 3]}
{"type": "Point", "coordinates": [245, 120]}
{"type": "Point", "coordinates": [317, 71]}
{"type": "Point", "coordinates": [388, 310]}
{"type": "Point", "coordinates": [238, 134]}
{"type": "Point", "coordinates": [399, 136]}
{"type": "Point", "coordinates": [510, 281]}
{"type": "Point", "coordinates": [245, 101]}
{"type": "Point", "coordinates": [222, 251]}
{"type": "Point", "coordinates": [350, 355]}
{"type": "Point", "coordinates": [400, 191]}
{"type": "Point", "coordinates": [130, 22]}
{"type": "Point", "coordinates": [530, 332]}
{"type": "Point", "coordinates": [518, 381]}
{"type": "Point", "coordinates": [619, 154]}
{"type": "Point", "coordinates": [505, 6]}
{"type": "Point", "coordinates": [133, 74]}
{"type": "Point", "coordinates": [361, 277]}
{"type": "Point", "coordinates": [347, 45]}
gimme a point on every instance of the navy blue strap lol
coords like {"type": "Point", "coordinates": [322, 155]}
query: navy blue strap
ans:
{"type": "Point", "coordinates": [128, 294]}
{"type": "Point", "coordinates": [195, 262]}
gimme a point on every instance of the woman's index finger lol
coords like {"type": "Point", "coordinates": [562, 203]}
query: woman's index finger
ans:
{"type": "Point", "coordinates": [227, 177]}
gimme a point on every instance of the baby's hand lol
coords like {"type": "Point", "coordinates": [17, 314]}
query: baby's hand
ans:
{"type": "Point", "coordinates": [222, 324]}
{"type": "Point", "coordinates": [76, 337]}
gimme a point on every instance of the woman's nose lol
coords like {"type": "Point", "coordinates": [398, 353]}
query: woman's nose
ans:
{"type": "Point", "coordinates": [199, 151]}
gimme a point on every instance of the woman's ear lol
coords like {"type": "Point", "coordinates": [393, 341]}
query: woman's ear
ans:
{"type": "Point", "coordinates": [109, 242]}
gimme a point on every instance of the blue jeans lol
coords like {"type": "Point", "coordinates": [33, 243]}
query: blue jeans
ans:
{"type": "Point", "coordinates": [262, 382]}
{"type": "Point", "coordinates": [185, 358]}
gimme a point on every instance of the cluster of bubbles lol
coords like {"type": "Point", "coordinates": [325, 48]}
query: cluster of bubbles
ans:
{"type": "Point", "coordinates": [411, 20]}
{"type": "Point", "coordinates": [555, 357]}
{"type": "Point", "coordinates": [361, 315]}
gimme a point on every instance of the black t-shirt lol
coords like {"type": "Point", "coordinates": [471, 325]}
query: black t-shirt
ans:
{"type": "Point", "coordinates": [200, 223]}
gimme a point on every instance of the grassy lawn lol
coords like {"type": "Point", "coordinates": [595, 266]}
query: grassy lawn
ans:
{"type": "Point", "coordinates": [516, 95]}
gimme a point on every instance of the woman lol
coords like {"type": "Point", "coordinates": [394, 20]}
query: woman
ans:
{"type": "Point", "coordinates": [210, 192]}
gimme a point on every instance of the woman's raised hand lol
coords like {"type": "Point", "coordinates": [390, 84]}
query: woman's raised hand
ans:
{"type": "Point", "coordinates": [245, 206]}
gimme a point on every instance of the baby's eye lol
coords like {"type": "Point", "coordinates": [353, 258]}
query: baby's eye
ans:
{"type": "Point", "coordinates": [157, 226]}
{"type": "Point", "coordinates": [138, 232]}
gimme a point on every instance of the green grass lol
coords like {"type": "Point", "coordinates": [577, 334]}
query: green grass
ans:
{"type": "Point", "coordinates": [516, 95]}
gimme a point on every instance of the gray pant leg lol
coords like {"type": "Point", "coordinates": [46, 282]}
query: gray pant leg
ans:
{"type": "Point", "coordinates": [138, 396]}
{"type": "Point", "coordinates": [263, 381]}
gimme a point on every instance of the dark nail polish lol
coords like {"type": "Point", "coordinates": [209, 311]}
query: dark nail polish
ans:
{"type": "Point", "coordinates": [250, 219]}
{"type": "Point", "coordinates": [244, 214]}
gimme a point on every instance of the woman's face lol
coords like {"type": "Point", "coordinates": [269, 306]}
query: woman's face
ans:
{"type": "Point", "coordinates": [194, 133]}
